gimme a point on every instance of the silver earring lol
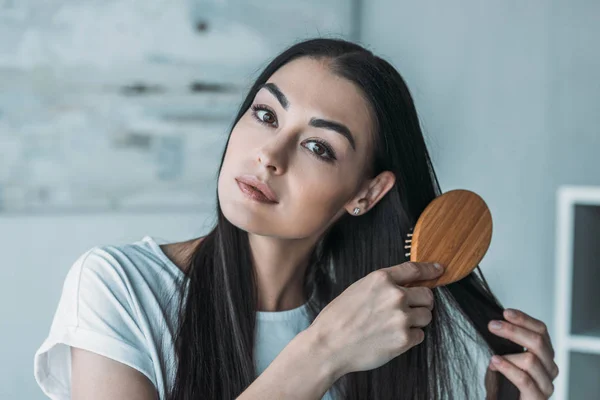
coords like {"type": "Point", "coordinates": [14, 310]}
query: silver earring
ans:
{"type": "Point", "coordinates": [356, 210]}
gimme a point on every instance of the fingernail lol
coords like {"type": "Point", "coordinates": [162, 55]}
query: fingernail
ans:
{"type": "Point", "coordinates": [496, 360]}
{"type": "Point", "coordinates": [496, 325]}
{"type": "Point", "coordinates": [511, 313]}
{"type": "Point", "coordinates": [437, 266]}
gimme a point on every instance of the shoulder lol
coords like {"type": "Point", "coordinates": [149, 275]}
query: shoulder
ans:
{"type": "Point", "coordinates": [181, 253]}
{"type": "Point", "coordinates": [124, 292]}
{"type": "Point", "coordinates": [141, 259]}
{"type": "Point", "coordinates": [136, 281]}
{"type": "Point", "coordinates": [115, 302]}
{"type": "Point", "coordinates": [134, 273]}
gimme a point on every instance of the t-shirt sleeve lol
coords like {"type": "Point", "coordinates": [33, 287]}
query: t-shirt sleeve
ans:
{"type": "Point", "coordinates": [98, 312]}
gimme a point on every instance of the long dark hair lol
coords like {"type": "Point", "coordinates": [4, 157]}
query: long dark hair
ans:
{"type": "Point", "coordinates": [215, 337]}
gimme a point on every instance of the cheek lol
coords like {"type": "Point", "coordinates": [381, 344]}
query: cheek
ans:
{"type": "Point", "coordinates": [245, 131]}
{"type": "Point", "coordinates": [240, 142]}
{"type": "Point", "coordinates": [314, 205]}
{"type": "Point", "coordinates": [235, 143]}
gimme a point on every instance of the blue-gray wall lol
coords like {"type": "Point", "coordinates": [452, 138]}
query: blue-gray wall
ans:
{"type": "Point", "coordinates": [509, 97]}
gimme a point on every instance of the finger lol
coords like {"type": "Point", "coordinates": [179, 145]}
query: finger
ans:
{"type": "Point", "coordinates": [521, 379]}
{"type": "Point", "coordinates": [419, 317]}
{"type": "Point", "coordinates": [529, 363]}
{"type": "Point", "coordinates": [412, 271]}
{"type": "Point", "coordinates": [419, 297]}
{"type": "Point", "coordinates": [417, 335]}
{"type": "Point", "coordinates": [534, 341]}
{"type": "Point", "coordinates": [520, 318]}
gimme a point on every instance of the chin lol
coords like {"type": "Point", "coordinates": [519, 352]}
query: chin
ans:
{"type": "Point", "coordinates": [247, 223]}
{"type": "Point", "coordinates": [240, 214]}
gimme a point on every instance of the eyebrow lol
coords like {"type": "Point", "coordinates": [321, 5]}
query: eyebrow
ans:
{"type": "Point", "coordinates": [316, 122]}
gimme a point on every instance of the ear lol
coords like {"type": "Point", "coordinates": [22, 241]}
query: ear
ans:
{"type": "Point", "coordinates": [371, 192]}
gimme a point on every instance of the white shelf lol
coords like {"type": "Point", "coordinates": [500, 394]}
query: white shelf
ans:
{"type": "Point", "coordinates": [589, 195]}
{"type": "Point", "coordinates": [586, 344]}
{"type": "Point", "coordinates": [577, 305]}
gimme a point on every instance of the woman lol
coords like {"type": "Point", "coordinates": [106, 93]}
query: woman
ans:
{"type": "Point", "coordinates": [298, 291]}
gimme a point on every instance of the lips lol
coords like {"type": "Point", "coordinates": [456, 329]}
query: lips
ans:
{"type": "Point", "coordinates": [257, 184]}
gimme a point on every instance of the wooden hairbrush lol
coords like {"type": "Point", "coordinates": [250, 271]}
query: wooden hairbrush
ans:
{"type": "Point", "coordinates": [455, 230]}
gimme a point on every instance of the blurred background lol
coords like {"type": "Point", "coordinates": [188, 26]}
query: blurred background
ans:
{"type": "Point", "coordinates": [114, 113]}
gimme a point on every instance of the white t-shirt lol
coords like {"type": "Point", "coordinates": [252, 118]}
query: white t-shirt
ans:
{"type": "Point", "coordinates": [121, 302]}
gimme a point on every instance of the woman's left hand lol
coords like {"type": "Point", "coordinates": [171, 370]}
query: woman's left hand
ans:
{"type": "Point", "coordinates": [533, 371]}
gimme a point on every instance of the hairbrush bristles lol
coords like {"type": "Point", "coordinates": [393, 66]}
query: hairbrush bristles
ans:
{"type": "Point", "coordinates": [408, 243]}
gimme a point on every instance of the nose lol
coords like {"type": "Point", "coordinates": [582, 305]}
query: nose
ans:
{"type": "Point", "coordinates": [273, 155]}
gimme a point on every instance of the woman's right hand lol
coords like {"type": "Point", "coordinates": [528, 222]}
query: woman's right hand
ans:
{"type": "Point", "coordinates": [376, 319]}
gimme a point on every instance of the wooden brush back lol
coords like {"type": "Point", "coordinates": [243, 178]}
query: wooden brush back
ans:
{"type": "Point", "coordinates": [454, 230]}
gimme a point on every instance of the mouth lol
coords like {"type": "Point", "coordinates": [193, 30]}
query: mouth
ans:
{"type": "Point", "coordinates": [256, 189]}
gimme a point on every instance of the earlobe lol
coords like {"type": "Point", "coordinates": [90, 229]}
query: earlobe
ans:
{"type": "Point", "coordinates": [359, 209]}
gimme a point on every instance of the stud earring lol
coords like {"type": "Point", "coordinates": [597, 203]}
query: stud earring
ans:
{"type": "Point", "coordinates": [356, 210]}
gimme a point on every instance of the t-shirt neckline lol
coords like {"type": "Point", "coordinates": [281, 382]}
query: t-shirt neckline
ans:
{"type": "Point", "coordinates": [300, 311]}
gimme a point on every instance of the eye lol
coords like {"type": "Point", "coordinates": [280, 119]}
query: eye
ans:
{"type": "Point", "coordinates": [321, 150]}
{"type": "Point", "coordinates": [264, 115]}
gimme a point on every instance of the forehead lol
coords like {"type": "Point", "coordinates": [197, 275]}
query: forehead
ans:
{"type": "Point", "coordinates": [311, 87]}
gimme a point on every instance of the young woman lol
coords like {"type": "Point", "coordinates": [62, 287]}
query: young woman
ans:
{"type": "Point", "coordinates": [297, 292]}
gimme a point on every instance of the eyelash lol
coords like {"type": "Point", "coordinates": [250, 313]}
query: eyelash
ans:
{"type": "Point", "coordinates": [260, 107]}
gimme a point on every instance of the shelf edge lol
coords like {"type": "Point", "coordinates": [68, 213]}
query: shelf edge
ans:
{"type": "Point", "coordinates": [584, 344]}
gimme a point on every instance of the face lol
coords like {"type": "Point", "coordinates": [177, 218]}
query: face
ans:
{"type": "Point", "coordinates": [308, 136]}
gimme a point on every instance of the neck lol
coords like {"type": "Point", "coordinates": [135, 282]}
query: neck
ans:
{"type": "Point", "coordinates": [280, 267]}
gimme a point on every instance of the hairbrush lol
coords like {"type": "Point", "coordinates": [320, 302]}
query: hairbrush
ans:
{"type": "Point", "coordinates": [455, 230]}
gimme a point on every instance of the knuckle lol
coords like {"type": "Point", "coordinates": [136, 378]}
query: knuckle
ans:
{"type": "Point", "coordinates": [428, 316]}
{"type": "Point", "coordinates": [517, 316]}
{"type": "Point", "coordinates": [380, 279]}
{"type": "Point", "coordinates": [412, 269]}
{"type": "Point", "coordinates": [555, 372]}
{"type": "Point", "coordinates": [399, 322]}
{"type": "Point", "coordinates": [414, 337]}
{"type": "Point", "coordinates": [401, 337]}
{"type": "Point", "coordinates": [424, 291]}
{"type": "Point", "coordinates": [380, 276]}
{"type": "Point", "coordinates": [428, 293]}
{"type": "Point", "coordinates": [538, 341]}
{"type": "Point", "coordinates": [399, 296]}
{"type": "Point", "coordinates": [420, 335]}
{"type": "Point", "coordinates": [524, 380]}
{"type": "Point", "coordinates": [543, 328]}
{"type": "Point", "coordinates": [530, 360]}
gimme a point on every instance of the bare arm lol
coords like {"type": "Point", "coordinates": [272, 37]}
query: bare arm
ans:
{"type": "Point", "coordinates": [95, 377]}
{"type": "Point", "coordinates": [303, 370]}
